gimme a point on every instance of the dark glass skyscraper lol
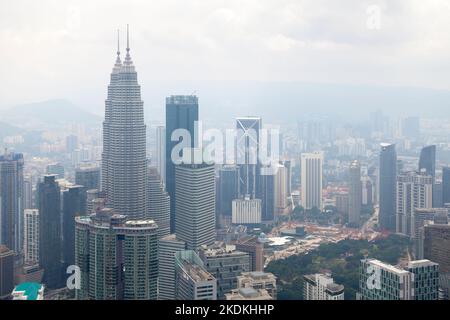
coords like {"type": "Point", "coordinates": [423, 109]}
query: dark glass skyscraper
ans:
{"type": "Point", "coordinates": [427, 160]}
{"type": "Point", "coordinates": [49, 203]}
{"type": "Point", "coordinates": [11, 197]}
{"type": "Point", "coordinates": [74, 204]}
{"type": "Point", "coordinates": [228, 188]}
{"type": "Point", "coordinates": [88, 177]}
{"type": "Point", "coordinates": [388, 181]}
{"type": "Point", "coordinates": [181, 113]}
{"type": "Point", "coordinates": [266, 193]}
{"type": "Point", "coordinates": [446, 185]}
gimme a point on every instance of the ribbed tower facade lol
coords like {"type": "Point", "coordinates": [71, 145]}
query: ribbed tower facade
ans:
{"type": "Point", "coordinates": [124, 167]}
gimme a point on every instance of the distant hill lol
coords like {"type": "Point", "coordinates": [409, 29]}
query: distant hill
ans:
{"type": "Point", "coordinates": [47, 113]}
{"type": "Point", "coordinates": [8, 130]}
{"type": "Point", "coordinates": [292, 101]}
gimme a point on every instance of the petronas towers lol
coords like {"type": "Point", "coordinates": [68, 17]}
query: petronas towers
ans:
{"type": "Point", "coordinates": [124, 164]}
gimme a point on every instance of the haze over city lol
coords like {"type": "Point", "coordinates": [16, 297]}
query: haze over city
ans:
{"type": "Point", "coordinates": [237, 55]}
{"type": "Point", "coordinates": [201, 151]}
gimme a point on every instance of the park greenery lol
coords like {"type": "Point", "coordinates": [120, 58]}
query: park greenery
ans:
{"type": "Point", "coordinates": [341, 259]}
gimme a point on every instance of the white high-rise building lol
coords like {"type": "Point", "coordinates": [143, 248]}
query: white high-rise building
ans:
{"type": "Point", "coordinates": [124, 163]}
{"type": "Point", "coordinates": [31, 236]}
{"type": "Point", "coordinates": [193, 281]}
{"type": "Point", "coordinates": [418, 280]}
{"type": "Point", "coordinates": [167, 248]}
{"type": "Point", "coordinates": [322, 287]}
{"type": "Point", "coordinates": [414, 191]}
{"type": "Point", "coordinates": [281, 189]}
{"type": "Point", "coordinates": [195, 204]}
{"type": "Point", "coordinates": [246, 211]}
{"type": "Point", "coordinates": [311, 180]}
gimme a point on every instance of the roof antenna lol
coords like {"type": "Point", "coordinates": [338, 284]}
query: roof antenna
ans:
{"type": "Point", "coordinates": [118, 42]}
{"type": "Point", "coordinates": [127, 57]}
{"type": "Point", "coordinates": [118, 62]}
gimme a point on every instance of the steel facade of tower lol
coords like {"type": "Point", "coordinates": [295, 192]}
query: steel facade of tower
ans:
{"type": "Point", "coordinates": [228, 188]}
{"type": "Point", "coordinates": [388, 186]}
{"type": "Point", "coordinates": [247, 149]}
{"type": "Point", "coordinates": [124, 164]}
{"type": "Point", "coordinates": [11, 201]}
{"type": "Point", "coordinates": [181, 113]}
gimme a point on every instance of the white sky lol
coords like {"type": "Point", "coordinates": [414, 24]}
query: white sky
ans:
{"type": "Point", "coordinates": [66, 49]}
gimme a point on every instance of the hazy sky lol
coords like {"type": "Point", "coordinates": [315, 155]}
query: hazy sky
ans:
{"type": "Point", "coordinates": [66, 49]}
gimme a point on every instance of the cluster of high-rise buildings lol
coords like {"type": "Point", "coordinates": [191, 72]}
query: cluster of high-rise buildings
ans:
{"type": "Point", "coordinates": [414, 204]}
{"type": "Point", "coordinates": [140, 228]}
{"type": "Point", "coordinates": [130, 229]}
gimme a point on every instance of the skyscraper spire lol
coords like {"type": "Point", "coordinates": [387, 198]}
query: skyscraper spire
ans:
{"type": "Point", "coordinates": [128, 57]}
{"type": "Point", "coordinates": [118, 61]}
{"type": "Point", "coordinates": [118, 42]}
{"type": "Point", "coordinates": [128, 39]}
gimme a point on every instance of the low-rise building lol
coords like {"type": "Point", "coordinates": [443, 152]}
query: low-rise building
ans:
{"type": "Point", "coordinates": [259, 280]}
{"type": "Point", "coordinates": [248, 294]}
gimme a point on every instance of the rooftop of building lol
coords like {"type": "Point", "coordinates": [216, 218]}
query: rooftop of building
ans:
{"type": "Point", "coordinates": [89, 167]}
{"type": "Point", "coordinates": [220, 248]}
{"type": "Point", "coordinates": [248, 293]}
{"type": "Point", "coordinates": [334, 288]}
{"type": "Point", "coordinates": [313, 277]}
{"type": "Point", "coordinates": [386, 266]}
{"type": "Point", "coordinates": [196, 272]}
{"type": "Point", "coordinates": [258, 275]}
{"type": "Point", "coordinates": [30, 290]}
{"type": "Point", "coordinates": [11, 156]}
{"type": "Point", "coordinates": [438, 226]}
{"type": "Point", "coordinates": [4, 250]}
{"type": "Point", "coordinates": [421, 263]}
{"type": "Point", "coordinates": [107, 217]}
{"type": "Point", "coordinates": [249, 239]}
{"type": "Point", "coordinates": [182, 99]}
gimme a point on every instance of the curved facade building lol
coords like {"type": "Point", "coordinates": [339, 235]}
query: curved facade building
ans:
{"type": "Point", "coordinates": [158, 202]}
{"type": "Point", "coordinates": [124, 136]}
{"type": "Point", "coordinates": [427, 160]}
